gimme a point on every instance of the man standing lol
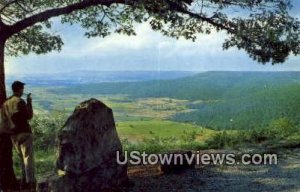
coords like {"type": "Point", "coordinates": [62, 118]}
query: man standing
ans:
{"type": "Point", "coordinates": [17, 112]}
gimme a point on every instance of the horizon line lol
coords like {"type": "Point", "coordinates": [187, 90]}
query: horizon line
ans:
{"type": "Point", "coordinates": [190, 71]}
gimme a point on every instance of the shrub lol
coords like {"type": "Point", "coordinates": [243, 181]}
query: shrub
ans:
{"type": "Point", "coordinates": [280, 128]}
{"type": "Point", "coordinates": [45, 128]}
{"type": "Point", "coordinates": [189, 136]}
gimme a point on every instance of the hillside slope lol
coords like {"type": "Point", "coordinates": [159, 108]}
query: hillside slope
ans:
{"type": "Point", "coordinates": [225, 99]}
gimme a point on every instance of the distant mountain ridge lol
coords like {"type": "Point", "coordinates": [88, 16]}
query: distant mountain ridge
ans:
{"type": "Point", "coordinates": [86, 77]}
{"type": "Point", "coordinates": [201, 86]}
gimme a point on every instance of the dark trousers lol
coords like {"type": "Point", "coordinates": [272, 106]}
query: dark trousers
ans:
{"type": "Point", "coordinates": [7, 175]}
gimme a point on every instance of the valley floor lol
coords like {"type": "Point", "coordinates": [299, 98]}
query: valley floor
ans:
{"type": "Point", "coordinates": [257, 178]}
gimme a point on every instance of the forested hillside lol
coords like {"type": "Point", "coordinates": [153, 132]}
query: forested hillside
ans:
{"type": "Point", "coordinates": [238, 100]}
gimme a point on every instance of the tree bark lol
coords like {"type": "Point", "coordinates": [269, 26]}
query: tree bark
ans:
{"type": "Point", "coordinates": [2, 72]}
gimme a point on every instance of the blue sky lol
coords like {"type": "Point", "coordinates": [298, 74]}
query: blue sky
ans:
{"type": "Point", "coordinates": [148, 50]}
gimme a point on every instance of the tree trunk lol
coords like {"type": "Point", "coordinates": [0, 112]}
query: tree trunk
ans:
{"type": "Point", "coordinates": [2, 72]}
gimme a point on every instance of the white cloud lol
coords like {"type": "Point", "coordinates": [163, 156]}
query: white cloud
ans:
{"type": "Point", "coordinates": [145, 39]}
{"type": "Point", "coordinates": [204, 45]}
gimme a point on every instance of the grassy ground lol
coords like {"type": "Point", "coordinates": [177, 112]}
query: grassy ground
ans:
{"type": "Point", "coordinates": [141, 130]}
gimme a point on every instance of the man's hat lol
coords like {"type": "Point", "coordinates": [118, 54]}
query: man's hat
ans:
{"type": "Point", "coordinates": [17, 85]}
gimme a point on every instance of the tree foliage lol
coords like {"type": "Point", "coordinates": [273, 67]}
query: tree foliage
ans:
{"type": "Point", "coordinates": [263, 28]}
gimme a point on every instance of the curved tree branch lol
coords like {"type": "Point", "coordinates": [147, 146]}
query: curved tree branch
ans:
{"type": "Point", "coordinates": [43, 16]}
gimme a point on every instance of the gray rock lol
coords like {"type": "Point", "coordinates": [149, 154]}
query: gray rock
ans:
{"type": "Point", "coordinates": [87, 152]}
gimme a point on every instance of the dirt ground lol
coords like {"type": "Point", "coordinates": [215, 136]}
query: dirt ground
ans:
{"type": "Point", "coordinates": [285, 176]}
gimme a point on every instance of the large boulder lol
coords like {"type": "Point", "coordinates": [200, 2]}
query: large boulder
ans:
{"type": "Point", "coordinates": [87, 152]}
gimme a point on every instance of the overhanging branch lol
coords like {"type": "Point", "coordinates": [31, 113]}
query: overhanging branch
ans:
{"type": "Point", "coordinates": [43, 16]}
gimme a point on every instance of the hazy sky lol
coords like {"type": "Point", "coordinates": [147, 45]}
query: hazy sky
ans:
{"type": "Point", "coordinates": [148, 50]}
